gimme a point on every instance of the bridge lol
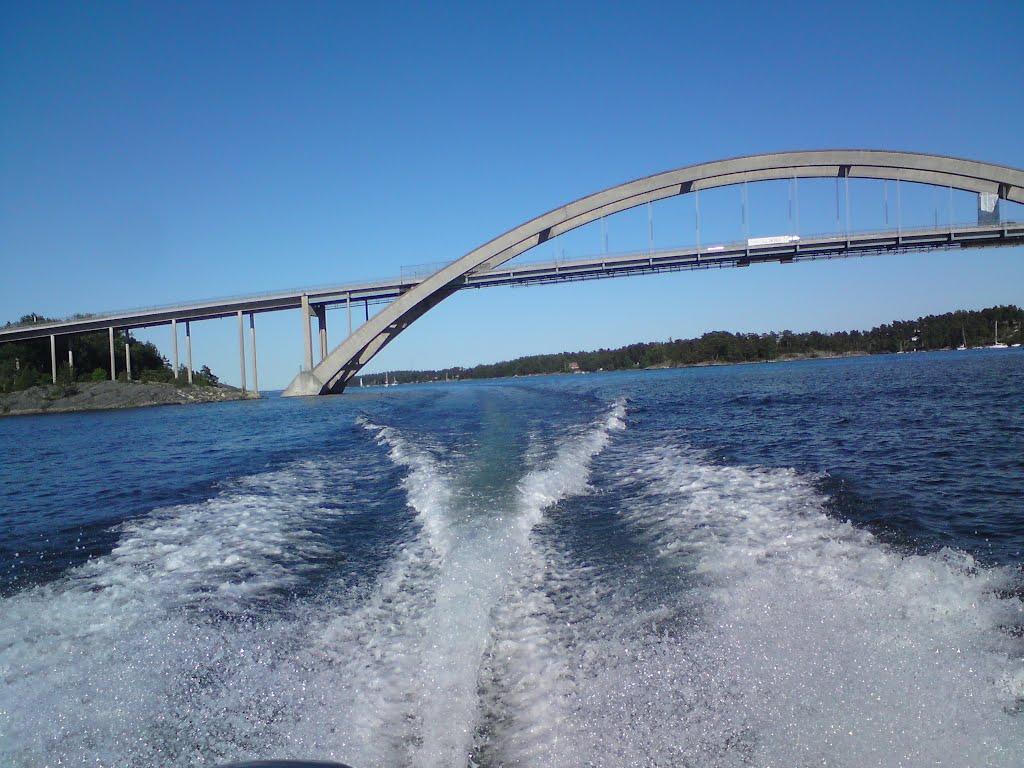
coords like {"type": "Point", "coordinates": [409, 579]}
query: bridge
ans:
{"type": "Point", "coordinates": [408, 297]}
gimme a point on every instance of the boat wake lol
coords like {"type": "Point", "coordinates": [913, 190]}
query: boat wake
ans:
{"type": "Point", "coordinates": [742, 626]}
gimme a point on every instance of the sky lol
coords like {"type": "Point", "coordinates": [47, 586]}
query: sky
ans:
{"type": "Point", "coordinates": [152, 153]}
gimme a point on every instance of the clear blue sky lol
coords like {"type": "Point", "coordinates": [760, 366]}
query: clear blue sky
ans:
{"type": "Point", "coordinates": [157, 152]}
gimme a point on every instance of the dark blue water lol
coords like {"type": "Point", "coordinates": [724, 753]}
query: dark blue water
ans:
{"type": "Point", "coordinates": [787, 564]}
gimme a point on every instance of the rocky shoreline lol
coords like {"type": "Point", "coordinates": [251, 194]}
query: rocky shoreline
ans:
{"type": "Point", "coordinates": [109, 395]}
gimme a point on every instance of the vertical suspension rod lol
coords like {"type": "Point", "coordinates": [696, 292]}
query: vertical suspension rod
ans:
{"type": "Point", "coordinates": [650, 227]}
{"type": "Point", "coordinates": [837, 205]}
{"type": "Point", "coordinates": [899, 208]}
{"type": "Point", "coordinates": [796, 198]}
{"type": "Point", "coordinates": [846, 197]}
{"type": "Point", "coordinates": [745, 211]}
{"type": "Point", "coordinates": [696, 219]}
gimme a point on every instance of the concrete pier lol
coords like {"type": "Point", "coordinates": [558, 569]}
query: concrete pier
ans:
{"type": "Point", "coordinates": [241, 348]}
{"type": "Point", "coordinates": [306, 334]}
{"type": "Point", "coordinates": [321, 321]}
{"type": "Point", "coordinates": [252, 335]}
{"type": "Point", "coordinates": [113, 360]}
{"type": "Point", "coordinates": [188, 348]}
{"type": "Point", "coordinates": [174, 345]}
{"type": "Point", "coordinates": [127, 358]}
{"type": "Point", "coordinates": [53, 357]}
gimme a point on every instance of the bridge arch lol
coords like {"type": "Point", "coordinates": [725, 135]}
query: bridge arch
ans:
{"type": "Point", "coordinates": [344, 362]}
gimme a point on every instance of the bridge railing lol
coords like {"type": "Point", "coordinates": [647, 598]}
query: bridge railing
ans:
{"type": "Point", "coordinates": [715, 245]}
{"type": "Point", "coordinates": [414, 273]}
{"type": "Point", "coordinates": [318, 289]}
{"type": "Point", "coordinates": [410, 274]}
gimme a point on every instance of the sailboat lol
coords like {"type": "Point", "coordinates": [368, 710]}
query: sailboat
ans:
{"type": "Point", "coordinates": [997, 345]}
{"type": "Point", "coordinates": [963, 346]}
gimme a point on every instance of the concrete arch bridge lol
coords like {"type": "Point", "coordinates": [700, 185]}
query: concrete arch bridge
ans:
{"type": "Point", "coordinates": [409, 297]}
{"type": "Point", "coordinates": [337, 368]}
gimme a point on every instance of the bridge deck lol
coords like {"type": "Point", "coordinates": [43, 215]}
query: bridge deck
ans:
{"type": "Point", "coordinates": [589, 268]}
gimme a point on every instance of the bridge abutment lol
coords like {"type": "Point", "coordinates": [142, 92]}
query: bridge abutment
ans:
{"type": "Point", "coordinates": [306, 384]}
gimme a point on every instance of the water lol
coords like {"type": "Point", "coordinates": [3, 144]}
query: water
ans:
{"type": "Point", "coordinates": [797, 564]}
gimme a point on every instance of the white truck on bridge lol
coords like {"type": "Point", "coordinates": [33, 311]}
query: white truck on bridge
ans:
{"type": "Point", "coordinates": [773, 240]}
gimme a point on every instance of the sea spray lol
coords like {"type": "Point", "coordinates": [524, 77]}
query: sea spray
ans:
{"type": "Point", "coordinates": [667, 606]}
{"type": "Point", "coordinates": [112, 664]}
{"type": "Point", "coordinates": [833, 646]}
{"type": "Point", "coordinates": [412, 654]}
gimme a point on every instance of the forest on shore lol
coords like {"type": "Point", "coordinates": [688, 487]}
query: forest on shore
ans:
{"type": "Point", "coordinates": [25, 364]}
{"type": "Point", "coordinates": [973, 328]}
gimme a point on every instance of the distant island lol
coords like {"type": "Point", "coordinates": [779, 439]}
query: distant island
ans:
{"type": "Point", "coordinates": [953, 330]}
{"type": "Point", "coordinates": [83, 377]}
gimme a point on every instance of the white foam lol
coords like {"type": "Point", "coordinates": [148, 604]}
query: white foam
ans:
{"type": "Point", "coordinates": [526, 682]}
{"type": "Point", "coordinates": [402, 670]}
{"type": "Point", "coordinates": [426, 485]}
{"type": "Point", "coordinates": [819, 644]}
{"type": "Point", "coordinates": [786, 637]}
{"type": "Point", "coordinates": [568, 473]}
{"type": "Point", "coordinates": [94, 667]}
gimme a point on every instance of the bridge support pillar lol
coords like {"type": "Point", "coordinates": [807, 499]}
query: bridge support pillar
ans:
{"type": "Point", "coordinates": [188, 348]}
{"type": "Point", "coordinates": [71, 357]}
{"type": "Point", "coordinates": [241, 348]}
{"type": "Point", "coordinates": [53, 357]}
{"type": "Point", "coordinates": [174, 346]}
{"type": "Point", "coordinates": [306, 384]}
{"type": "Point", "coordinates": [127, 358]}
{"type": "Point", "coordinates": [113, 360]}
{"type": "Point", "coordinates": [321, 321]}
{"type": "Point", "coordinates": [252, 337]}
{"type": "Point", "coordinates": [306, 334]}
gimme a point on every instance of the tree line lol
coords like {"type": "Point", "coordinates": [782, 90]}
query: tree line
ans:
{"type": "Point", "coordinates": [933, 332]}
{"type": "Point", "coordinates": [25, 364]}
